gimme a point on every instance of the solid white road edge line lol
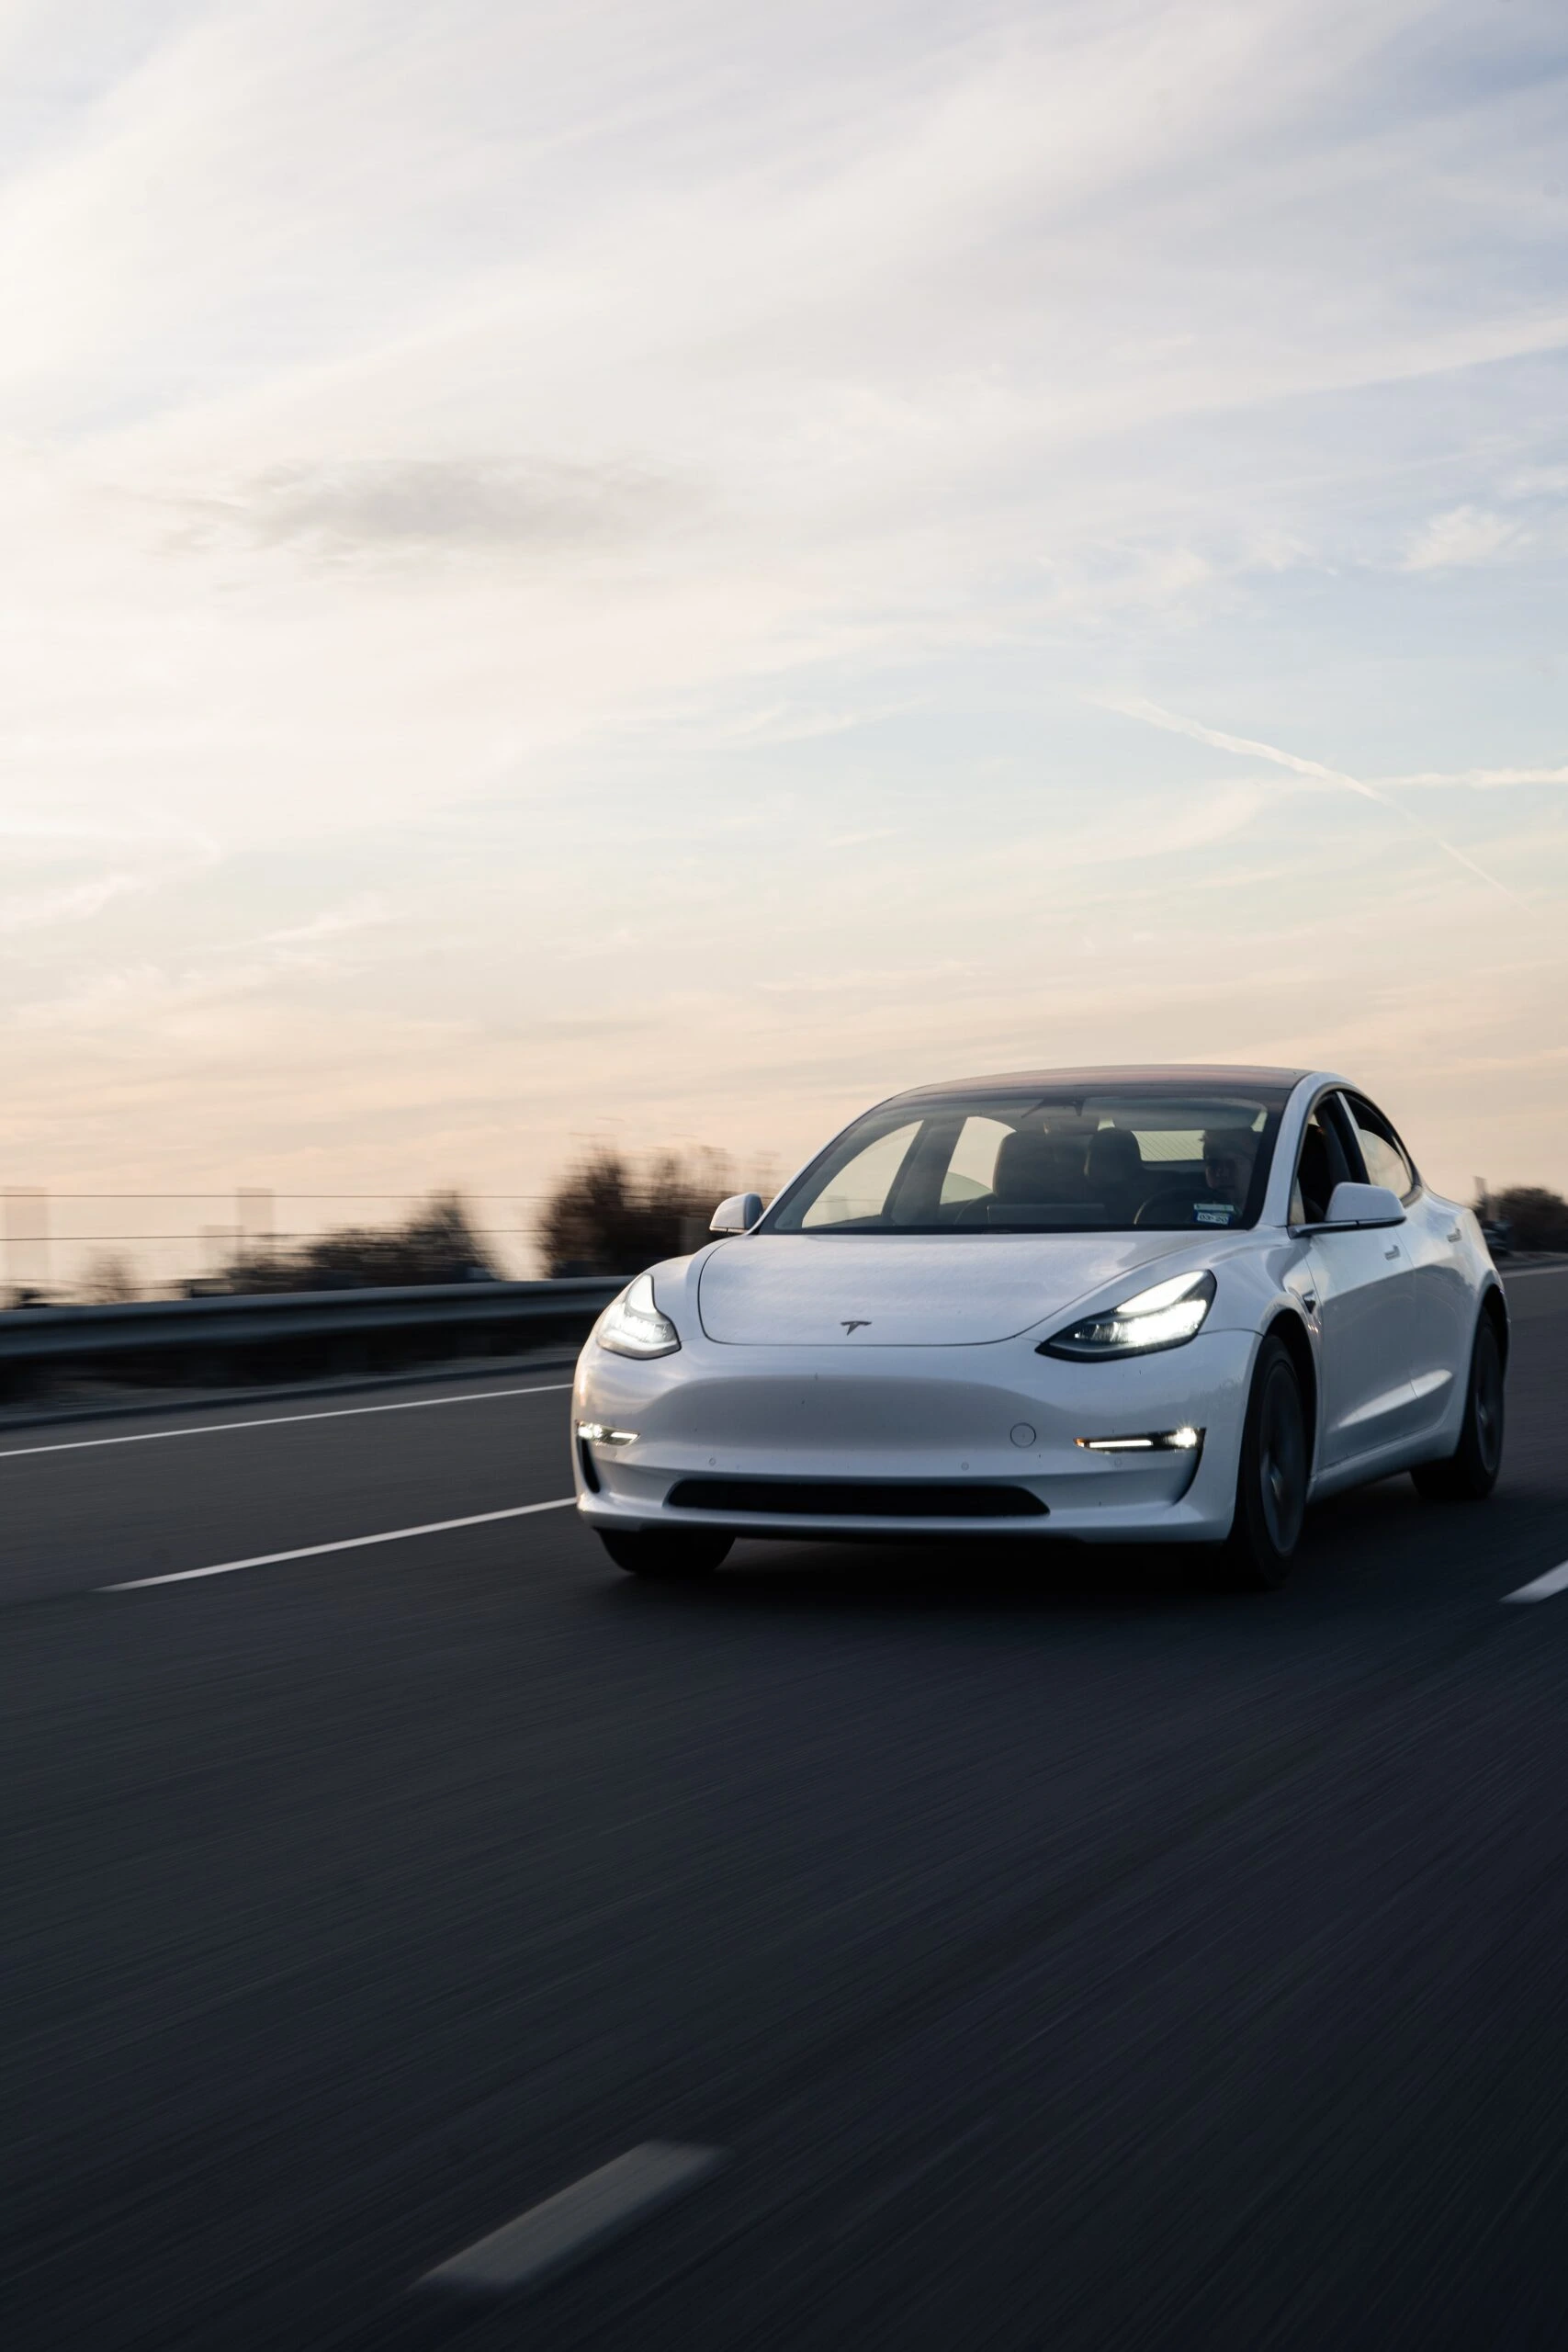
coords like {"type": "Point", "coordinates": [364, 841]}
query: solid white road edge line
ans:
{"type": "Point", "coordinates": [1554, 1580]}
{"type": "Point", "coordinates": [344, 1543]}
{"type": "Point", "coordinates": [284, 1420]}
{"type": "Point", "coordinates": [565, 2228]}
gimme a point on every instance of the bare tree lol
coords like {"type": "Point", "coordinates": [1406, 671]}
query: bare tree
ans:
{"type": "Point", "coordinates": [611, 1214]}
{"type": "Point", "coordinates": [107, 1280]}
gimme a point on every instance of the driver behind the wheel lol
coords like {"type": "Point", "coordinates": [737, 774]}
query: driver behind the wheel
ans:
{"type": "Point", "coordinates": [1228, 1155]}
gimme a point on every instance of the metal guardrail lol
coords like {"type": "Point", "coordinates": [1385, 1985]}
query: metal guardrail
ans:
{"type": "Point", "coordinates": [285, 1326]}
{"type": "Point", "coordinates": [244, 1338]}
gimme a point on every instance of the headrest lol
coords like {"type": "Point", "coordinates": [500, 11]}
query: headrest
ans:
{"type": "Point", "coordinates": [1037, 1168]}
{"type": "Point", "coordinates": [1113, 1157]}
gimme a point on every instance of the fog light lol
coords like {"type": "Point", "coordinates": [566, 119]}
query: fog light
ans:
{"type": "Point", "coordinates": [597, 1433]}
{"type": "Point", "coordinates": [1182, 1440]}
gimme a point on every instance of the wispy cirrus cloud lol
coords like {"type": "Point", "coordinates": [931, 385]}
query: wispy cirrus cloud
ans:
{"type": "Point", "coordinates": [366, 913]}
{"type": "Point", "coordinates": [1463, 536]}
{"type": "Point", "coordinates": [1247, 747]}
{"type": "Point", "coordinates": [1475, 779]}
{"type": "Point", "coordinates": [359, 509]}
{"type": "Point", "coordinates": [74, 902]}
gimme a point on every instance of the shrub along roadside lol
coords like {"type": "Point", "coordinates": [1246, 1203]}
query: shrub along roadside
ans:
{"type": "Point", "coordinates": [1539, 1218]}
{"type": "Point", "coordinates": [437, 1244]}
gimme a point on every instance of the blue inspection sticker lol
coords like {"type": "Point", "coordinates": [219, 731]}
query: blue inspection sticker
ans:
{"type": "Point", "coordinates": [1212, 1212]}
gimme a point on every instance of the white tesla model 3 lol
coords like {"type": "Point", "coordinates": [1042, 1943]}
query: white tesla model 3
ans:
{"type": "Point", "coordinates": [1169, 1304]}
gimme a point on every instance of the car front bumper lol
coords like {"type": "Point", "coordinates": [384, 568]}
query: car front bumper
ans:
{"type": "Point", "coordinates": [986, 1417]}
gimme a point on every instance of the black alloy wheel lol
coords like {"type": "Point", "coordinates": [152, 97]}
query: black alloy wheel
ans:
{"type": "Point", "coordinates": [1271, 1479]}
{"type": "Point", "coordinates": [1470, 1472]}
{"type": "Point", "coordinates": [677, 1557]}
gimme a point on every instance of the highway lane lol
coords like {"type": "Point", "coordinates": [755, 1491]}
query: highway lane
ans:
{"type": "Point", "coordinates": [1058, 1954]}
{"type": "Point", "coordinates": [89, 1502]}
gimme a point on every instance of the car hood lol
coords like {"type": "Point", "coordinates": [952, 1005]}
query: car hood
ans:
{"type": "Point", "coordinates": [787, 1290]}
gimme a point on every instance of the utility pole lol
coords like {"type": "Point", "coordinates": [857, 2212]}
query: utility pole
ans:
{"type": "Point", "coordinates": [25, 1211]}
{"type": "Point", "coordinates": [255, 1208]}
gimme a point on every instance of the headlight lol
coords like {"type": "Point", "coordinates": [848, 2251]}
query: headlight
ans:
{"type": "Point", "coordinates": [1162, 1318]}
{"type": "Point", "coordinates": [632, 1325]}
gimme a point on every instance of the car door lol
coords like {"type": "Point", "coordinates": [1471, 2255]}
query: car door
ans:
{"type": "Point", "coordinates": [1441, 1305]}
{"type": "Point", "coordinates": [1366, 1303]}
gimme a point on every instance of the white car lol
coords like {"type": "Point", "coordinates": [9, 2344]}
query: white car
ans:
{"type": "Point", "coordinates": [1152, 1306]}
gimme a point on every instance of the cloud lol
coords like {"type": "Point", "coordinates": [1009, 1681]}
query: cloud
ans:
{"type": "Point", "coordinates": [1247, 747]}
{"type": "Point", "coordinates": [76, 903]}
{"type": "Point", "coordinates": [332, 923]}
{"type": "Point", "coordinates": [860, 980]}
{"type": "Point", "coordinates": [1465, 535]}
{"type": "Point", "coordinates": [1476, 779]}
{"type": "Point", "coordinates": [415, 506]}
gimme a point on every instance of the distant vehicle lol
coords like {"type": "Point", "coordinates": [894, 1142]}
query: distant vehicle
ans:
{"type": "Point", "coordinates": [1169, 1304]}
{"type": "Point", "coordinates": [1498, 1236]}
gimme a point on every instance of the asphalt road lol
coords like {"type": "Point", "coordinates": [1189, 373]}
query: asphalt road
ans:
{"type": "Point", "coordinates": [1056, 1953]}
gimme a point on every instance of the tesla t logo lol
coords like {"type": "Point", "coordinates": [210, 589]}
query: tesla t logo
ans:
{"type": "Point", "coordinates": [863, 1325]}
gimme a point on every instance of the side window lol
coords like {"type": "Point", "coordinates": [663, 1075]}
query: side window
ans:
{"type": "Point", "coordinates": [1321, 1164]}
{"type": "Point", "coordinates": [1384, 1155]}
{"type": "Point", "coordinates": [971, 1168]}
{"type": "Point", "coordinates": [862, 1186]}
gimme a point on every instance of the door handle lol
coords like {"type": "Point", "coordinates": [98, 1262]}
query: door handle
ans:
{"type": "Point", "coordinates": [1393, 1252]}
{"type": "Point", "coordinates": [1454, 1235]}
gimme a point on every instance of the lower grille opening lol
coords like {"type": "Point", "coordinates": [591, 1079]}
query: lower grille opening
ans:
{"type": "Point", "coordinates": [855, 1498]}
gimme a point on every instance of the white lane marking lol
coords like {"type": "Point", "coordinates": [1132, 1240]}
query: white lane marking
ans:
{"type": "Point", "coordinates": [344, 1543]}
{"type": "Point", "coordinates": [1554, 1580]}
{"type": "Point", "coordinates": [568, 2227]}
{"type": "Point", "coordinates": [284, 1420]}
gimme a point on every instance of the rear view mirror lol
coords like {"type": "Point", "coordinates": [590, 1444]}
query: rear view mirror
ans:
{"type": "Point", "coordinates": [1364, 1204]}
{"type": "Point", "coordinates": [741, 1211]}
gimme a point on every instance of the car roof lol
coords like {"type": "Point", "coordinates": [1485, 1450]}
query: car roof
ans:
{"type": "Point", "coordinates": [1109, 1075]}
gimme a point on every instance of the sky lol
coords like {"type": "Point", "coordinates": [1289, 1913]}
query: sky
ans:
{"type": "Point", "coordinates": [658, 573]}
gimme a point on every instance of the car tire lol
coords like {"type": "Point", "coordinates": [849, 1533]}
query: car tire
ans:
{"type": "Point", "coordinates": [1272, 1477]}
{"type": "Point", "coordinates": [673, 1558]}
{"type": "Point", "coordinates": [1469, 1472]}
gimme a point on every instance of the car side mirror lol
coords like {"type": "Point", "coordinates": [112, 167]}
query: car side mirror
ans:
{"type": "Point", "coordinates": [741, 1211]}
{"type": "Point", "coordinates": [1353, 1204]}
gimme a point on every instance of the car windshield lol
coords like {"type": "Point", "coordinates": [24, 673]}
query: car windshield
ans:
{"type": "Point", "coordinates": [1167, 1158]}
